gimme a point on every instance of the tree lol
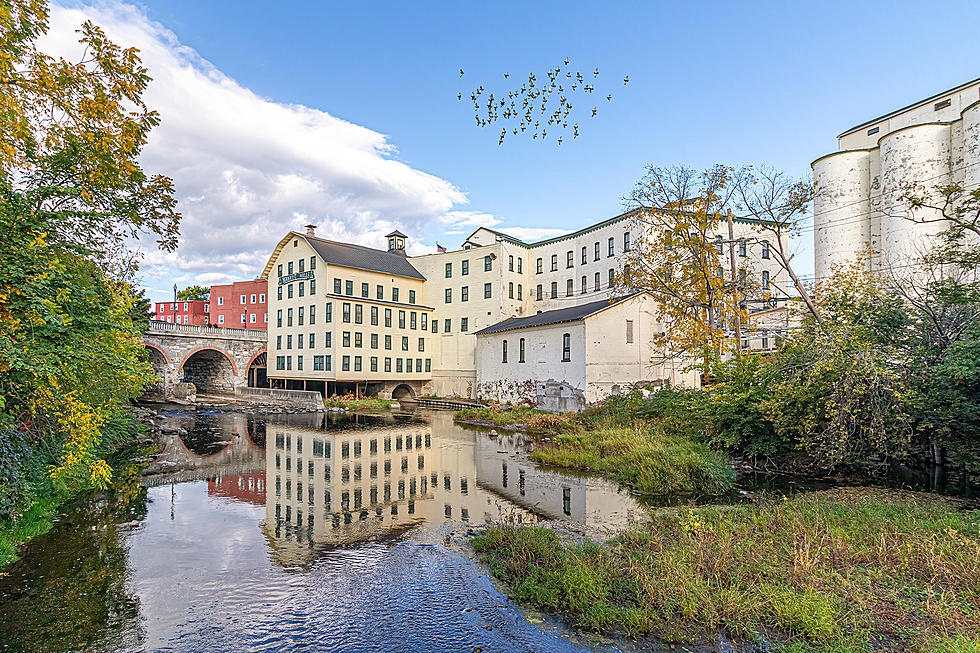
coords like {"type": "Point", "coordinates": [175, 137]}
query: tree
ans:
{"type": "Point", "coordinates": [72, 195]}
{"type": "Point", "coordinates": [194, 293]}
{"type": "Point", "coordinates": [678, 259]}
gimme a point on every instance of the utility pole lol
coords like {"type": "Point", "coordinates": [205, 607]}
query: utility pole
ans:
{"type": "Point", "coordinates": [731, 258]}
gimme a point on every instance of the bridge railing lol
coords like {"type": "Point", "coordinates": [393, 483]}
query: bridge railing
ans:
{"type": "Point", "coordinates": [159, 326]}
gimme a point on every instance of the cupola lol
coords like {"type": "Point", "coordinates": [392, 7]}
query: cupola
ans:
{"type": "Point", "coordinates": [396, 241]}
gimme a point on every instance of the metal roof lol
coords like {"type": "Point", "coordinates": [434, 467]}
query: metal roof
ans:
{"type": "Point", "coordinates": [352, 256]}
{"type": "Point", "coordinates": [557, 316]}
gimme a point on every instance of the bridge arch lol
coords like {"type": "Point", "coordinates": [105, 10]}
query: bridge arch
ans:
{"type": "Point", "coordinates": [154, 347]}
{"type": "Point", "coordinates": [210, 369]}
{"type": "Point", "coordinates": [255, 371]}
{"type": "Point", "coordinates": [403, 391]}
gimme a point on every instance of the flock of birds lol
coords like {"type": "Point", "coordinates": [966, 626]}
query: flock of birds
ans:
{"type": "Point", "coordinates": [532, 107]}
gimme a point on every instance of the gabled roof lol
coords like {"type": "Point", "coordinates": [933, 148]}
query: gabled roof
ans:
{"type": "Point", "coordinates": [396, 233]}
{"type": "Point", "coordinates": [557, 316]}
{"type": "Point", "coordinates": [352, 256]}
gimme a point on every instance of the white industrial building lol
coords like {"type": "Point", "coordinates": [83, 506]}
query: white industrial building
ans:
{"type": "Point", "coordinates": [858, 208]}
{"type": "Point", "coordinates": [351, 318]}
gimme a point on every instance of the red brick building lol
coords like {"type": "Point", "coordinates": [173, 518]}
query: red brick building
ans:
{"type": "Point", "coordinates": [181, 312]}
{"type": "Point", "coordinates": [242, 304]}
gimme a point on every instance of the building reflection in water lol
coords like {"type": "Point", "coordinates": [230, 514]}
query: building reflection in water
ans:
{"type": "Point", "coordinates": [247, 488]}
{"type": "Point", "coordinates": [327, 485]}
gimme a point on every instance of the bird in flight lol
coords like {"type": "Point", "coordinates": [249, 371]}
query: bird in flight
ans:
{"type": "Point", "coordinates": [625, 80]}
{"type": "Point", "coordinates": [460, 72]}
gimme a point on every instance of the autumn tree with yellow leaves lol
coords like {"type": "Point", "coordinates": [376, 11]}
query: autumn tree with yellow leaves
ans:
{"type": "Point", "coordinates": [72, 196]}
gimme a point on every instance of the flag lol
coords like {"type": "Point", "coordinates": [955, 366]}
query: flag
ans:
{"type": "Point", "coordinates": [440, 248]}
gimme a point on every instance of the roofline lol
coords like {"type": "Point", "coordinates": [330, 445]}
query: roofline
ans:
{"type": "Point", "coordinates": [914, 105]}
{"type": "Point", "coordinates": [354, 267]}
{"type": "Point", "coordinates": [275, 254]}
{"type": "Point", "coordinates": [609, 305]}
{"type": "Point", "coordinates": [285, 239]}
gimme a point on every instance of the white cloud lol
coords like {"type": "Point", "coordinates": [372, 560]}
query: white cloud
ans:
{"type": "Point", "coordinates": [247, 169]}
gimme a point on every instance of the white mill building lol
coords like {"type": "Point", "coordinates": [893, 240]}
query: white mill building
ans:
{"type": "Point", "coordinates": [858, 207]}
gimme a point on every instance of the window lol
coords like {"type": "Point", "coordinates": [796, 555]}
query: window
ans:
{"type": "Point", "coordinates": [388, 342]}
{"type": "Point", "coordinates": [504, 351]}
{"type": "Point", "coordinates": [585, 284]}
{"type": "Point", "coordinates": [241, 300]}
{"type": "Point", "coordinates": [278, 295]}
{"type": "Point", "coordinates": [765, 279]}
{"type": "Point", "coordinates": [626, 241]}
{"type": "Point", "coordinates": [299, 359]}
{"type": "Point", "coordinates": [597, 250]}
{"type": "Point", "coordinates": [300, 313]}
{"type": "Point", "coordinates": [380, 291]}
{"type": "Point", "coordinates": [612, 247]}
{"type": "Point", "coordinates": [312, 262]}
{"type": "Point", "coordinates": [404, 343]}
{"type": "Point", "coordinates": [942, 104]}
{"type": "Point", "coordinates": [510, 290]}
{"type": "Point", "coordinates": [278, 342]}
{"type": "Point", "coordinates": [520, 352]}
{"type": "Point", "coordinates": [765, 249]}
{"type": "Point", "coordinates": [447, 325]}
{"type": "Point", "coordinates": [358, 314]}
{"type": "Point", "coordinates": [327, 360]}
{"type": "Point", "coordinates": [289, 291]}
{"type": "Point", "coordinates": [374, 341]}
{"type": "Point", "coordinates": [302, 287]}
{"type": "Point", "coordinates": [394, 294]}
{"type": "Point", "coordinates": [449, 270]}
{"type": "Point", "coordinates": [289, 266]}
{"type": "Point", "coordinates": [374, 316]}
{"type": "Point", "coordinates": [289, 342]}
{"type": "Point", "coordinates": [279, 270]}
{"type": "Point", "coordinates": [387, 365]}
{"type": "Point", "coordinates": [252, 298]}
{"type": "Point", "coordinates": [873, 131]}
{"type": "Point", "coordinates": [278, 318]}
{"type": "Point", "coordinates": [554, 289]}
{"type": "Point", "coordinates": [428, 368]}
{"type": "Point", "coordinates": [346, 312]}
{"type": "Point", "coordinates": [329, 315]}
{"type": "Point", "coordinates": [742, 247]}
{"type": "Point", "coordinates": [585, 255]}
{"type": "Point", "coordinates": [566, 347]}
{"type": "Point", "coordinates": [612, 278]}
{"type": "Point", "coordinates": [413, 320]}
{"type": "Point", "coordinates": [425, 321]}
{"type": "Point", "coordinates": [365, 289]}
{"type": "Point", "coordinates": [337, 283]}
{"type": "Point", "coordinates": [289, 317]}
{"type": "Point", "coordinates": [487, 290]}
{"type": "Point", "coordinates": [401, 319]}
{"type": "Point", "coordinates": [302, 263]}
{"type": "Point", "coordinates": [554, 262]}
{"type": "Point", "coordinates": [520, 291]}
{"type": "Point", "coordinates": [374, 363]}
{"type": "Point", "coordinates": [464, 294]}
{"type": "Point", "coordinates": [464, 268]}
{"type": "Point", "coordinates": [345, 339]}
{"type": "Point", "coordinates": [345, 364]}
{"type": "Point", "coordinates": [629, 332]}
{"type": "Point", "coordinates": [411, 296]}
{"type": "Point", "coordinates": [487, 263]}
{"type": "Point", "coordinates": [328, 339]}
{"type": "Point", "coordinates": [388, 318]}
{"type": "Point", "coordinates": [510, 263]}
{"type": "Point", "coordinates": [357, 364]}
{"type": "Point", "coordinates": [569, 288]}
{"type": "Point", "coordinates": [251, 318]}
{"type": "Point", "coordinates": [539, 265]}
{"type": "Point", "coordinates": [318, 363]}
{"type": "Point", "coordinates": [464, 324]}
{"type": "Point", "coordinates": [421, 344]}
{"type": "Point", "coordinates": [520, 266]}
{"type": "Point", "coordinates": [221, 319]}
{"type": "Point", "coordinates": [399, 365]}
{"type": "Point", "coordinates": [539, 292]}
{"type": "Point", "coordinates": [358, 339]}
{"type": "Point", "coordinates": [449, 296]}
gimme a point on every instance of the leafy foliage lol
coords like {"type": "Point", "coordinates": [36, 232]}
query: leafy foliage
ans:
{"type": "Point", "coordinates": [194, 293]}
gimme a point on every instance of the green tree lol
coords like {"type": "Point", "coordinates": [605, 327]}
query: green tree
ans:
{"type": "Point", "coordinates": [73, 193]}
{"type": "Point", "coordinates": [194, 293]}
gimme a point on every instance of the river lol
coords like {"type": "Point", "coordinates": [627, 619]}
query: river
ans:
{"type": "Point", "coordinates": [300, 532]}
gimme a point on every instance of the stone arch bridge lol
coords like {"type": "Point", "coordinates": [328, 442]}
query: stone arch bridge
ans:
{"type": "Point", "coordinates": [217, 360]}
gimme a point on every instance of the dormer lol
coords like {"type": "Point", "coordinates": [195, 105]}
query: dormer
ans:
{"type": "Point", "coordinates": [396, 242]}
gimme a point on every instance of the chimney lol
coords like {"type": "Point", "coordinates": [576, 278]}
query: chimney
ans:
{"type": "Point", "coordinates": [311, 230]}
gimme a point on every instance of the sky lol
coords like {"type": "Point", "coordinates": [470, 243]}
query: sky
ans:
{"type": "Point", "coordinates": [345, 115]}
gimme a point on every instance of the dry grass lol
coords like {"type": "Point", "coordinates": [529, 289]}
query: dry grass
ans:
{"type": "Point", "coordinates": [845, 570]}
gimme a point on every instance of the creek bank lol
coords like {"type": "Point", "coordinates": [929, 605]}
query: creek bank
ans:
{"type": "Point", "coordinates": [845, 569]}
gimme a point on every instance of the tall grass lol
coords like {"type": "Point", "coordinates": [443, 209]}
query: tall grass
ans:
{"type": "Point", "coordinates": [643, 455]}
{"type": "Point", "coordinates": [845, 570]}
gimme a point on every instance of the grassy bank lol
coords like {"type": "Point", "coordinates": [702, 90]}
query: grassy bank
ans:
{"type": "Point", "coordinates": [845, 570]}
{"type": "Point", "coordinates": [364, 405]}
{"type": "Point", "coordinates": [611, 440]}
{"type": "Point", "coordinates": [642, 455]}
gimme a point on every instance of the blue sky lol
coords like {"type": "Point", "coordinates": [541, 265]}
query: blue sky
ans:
{"type": "Point", "coordinates": [710, 82]}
